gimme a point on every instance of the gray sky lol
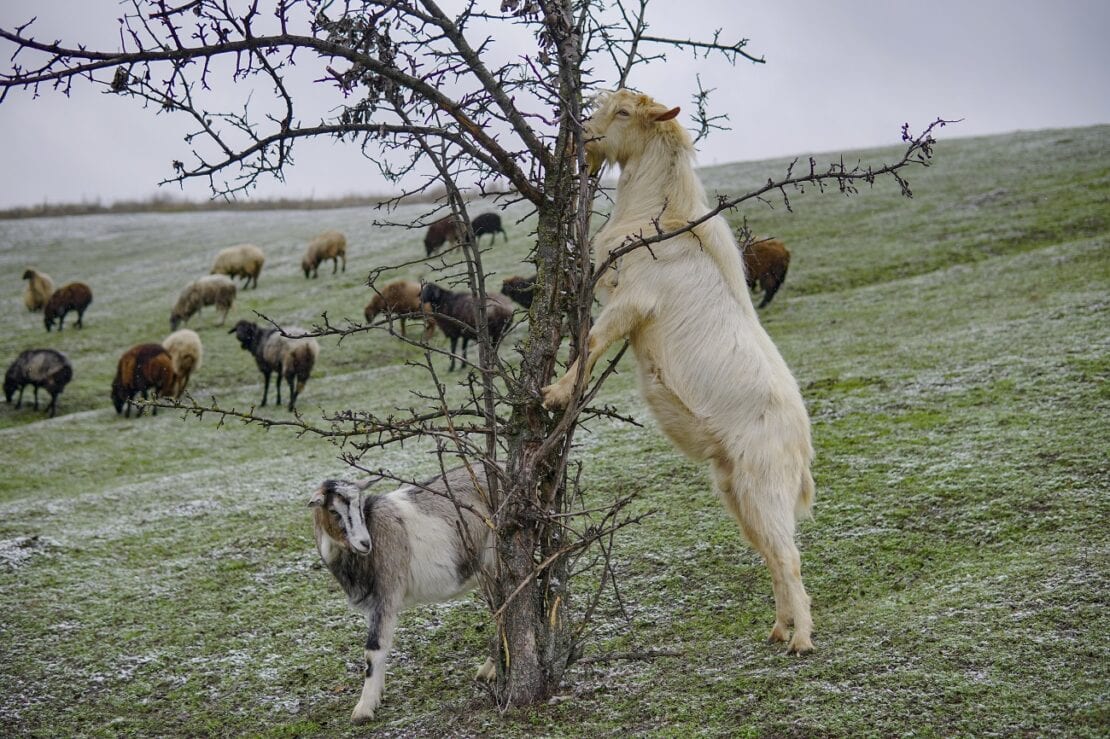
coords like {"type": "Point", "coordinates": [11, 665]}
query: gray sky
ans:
{"type": "Point", "coordinates": [840, 74]}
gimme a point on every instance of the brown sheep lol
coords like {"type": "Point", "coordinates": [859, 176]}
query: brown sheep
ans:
{"type": "Point", "coordinates": [143, 367]}
{"type": "Point", "coordinates": [767, 262]}
{"type": "Point", "coordinates": [400, 298]}
{"type": "Point", "coordinates": [73, 296]}
{"type": "Point", "coordinates": [331, 245]}
{"type": "Point", "coordinates": [442, 230]}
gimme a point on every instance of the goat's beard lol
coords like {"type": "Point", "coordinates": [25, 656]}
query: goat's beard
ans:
{"type": "Point", "coordinates": [595, 160]}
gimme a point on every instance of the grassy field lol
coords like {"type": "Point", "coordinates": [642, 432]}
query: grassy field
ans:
{"type": "Point", "coordinates": [158, 577]}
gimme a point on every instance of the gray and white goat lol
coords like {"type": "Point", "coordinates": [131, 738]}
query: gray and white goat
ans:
{"type": "Point", "coordinates": [422, 543]}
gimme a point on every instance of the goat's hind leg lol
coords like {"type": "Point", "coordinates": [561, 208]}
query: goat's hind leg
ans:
{"type": "Point", "coordinates": [768, 523]}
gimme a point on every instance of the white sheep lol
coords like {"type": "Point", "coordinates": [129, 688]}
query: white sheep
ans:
{"type": "Point", "coordinates": [708, 371]}
{"type": "Point", "coordinates": [292, 357]}
{"type": "Point", "coordinates": [217, 290]}
{"type": "Point", "coordinates": [187, 352]}
{"type": "Point", "coordinates": [417, 544]}
{"type": "Point", "coordinates": [331, 245]}
{"type": "Point", "coordinates": [244, 260]}
{"type": "Point", "coordinates": [38, 290]}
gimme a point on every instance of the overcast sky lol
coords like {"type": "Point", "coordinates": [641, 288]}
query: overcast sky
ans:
{"type": "Point", "coordinates": [839, 74]}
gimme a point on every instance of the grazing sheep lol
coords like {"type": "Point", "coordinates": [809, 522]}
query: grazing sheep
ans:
{"type": "Point", "coordinates": [38, 290]}
{"type": "Point", "coordinates": [328, 245]}
{"type": "Point", "coordinates": [445, 229]}
{"type": "Point", "coordinates": [72, 296]}
{"type": "Point", "coordinates": [488, 223]}
{"type": "Point", "coordinates": [187, 352]}
{"type": "Point", "coordinates": [244, 260]}
{"type": "Point", "coordinates": [400, 298]}
{"type": "Point", "coordinates": [767, 262]}
{"type": "Point", "coordinates": [292, 358]}
{"type": "Point", "coordinates": [43, 368]}
{"type": "Point", "coordinates": [217, 290]}
{"type": "Point", "coordinates": [142, 368]}
{"type": "Point", "coordinates": [417, 544]}
{"type": "Point", "coordinates": [456, 314]}
{"type": "Point", "coordinates": [718, 388]}
{"type": "Point", "coordinates": [520, 289]}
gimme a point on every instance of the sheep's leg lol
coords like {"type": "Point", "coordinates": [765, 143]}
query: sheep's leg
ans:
{"type": "Point", "coordinates": [53, 404]}
{"type": "Point", "coordinates": [616, 320]}
{"type": "Point", "coordinates": [292, 390]}
{"type": "Point", "coordinates": [266, 388]}
{"type": "Point", "coordinates": [344, 263]}
{"type": "Point", "coordinates": [454, 343]}
{"type": "Point", "coordinates": [36, 396]}
{"type": "Point", "coordinates": [277, 386]}
{"type": "Point", "coordinates": [19, 400]}
{"type": "Point", "coordinates": [141, 407]}
{"type": "Point", "coordinates": [379, 638]}
{"type": "Point", "coordinates": [770, 287]}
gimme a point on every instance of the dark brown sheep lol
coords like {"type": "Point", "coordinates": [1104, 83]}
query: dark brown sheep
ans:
{"type": "Point", "coordinates": [520, 289]}
{"type": "Point", "coordinates": [43, 368]}
{"type": "Point", "coordinates": [488, 223]}
{"type": "Point", "coordinates": [439, 232]}
{"type": "Point", "coordinates": [456, 315]}
{"type": "Point", "coordinates": [767, 262]}
{"type": "Point", "coordinates": [142, 368]}
{"type": "Point", "coordinates": [73, 296]}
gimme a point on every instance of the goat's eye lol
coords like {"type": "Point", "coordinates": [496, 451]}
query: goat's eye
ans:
{"type": "Point", "coordinates": [623, 113]}
{"type": "Point", "coordinates": [336, 517]}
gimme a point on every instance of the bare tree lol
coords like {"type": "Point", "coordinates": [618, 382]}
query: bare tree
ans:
{"type": "Point", "coordinates": [417, 89]}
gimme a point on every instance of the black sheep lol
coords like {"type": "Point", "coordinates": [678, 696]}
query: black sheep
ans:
{"type": "Point", "coordinates": [456, 315]}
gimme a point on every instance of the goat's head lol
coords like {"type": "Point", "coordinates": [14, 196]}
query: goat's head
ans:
{"type": "Point", "coordinates": [341, 514]}
{"type": "Point", "coordinates": [622, 125]}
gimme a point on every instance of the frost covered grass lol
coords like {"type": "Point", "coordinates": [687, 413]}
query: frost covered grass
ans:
{"type": "Point", "coordinates": [157, 575]}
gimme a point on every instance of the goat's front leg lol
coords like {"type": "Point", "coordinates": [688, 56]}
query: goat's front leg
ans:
{"type": "Point", "coordinates": [617, 319]}
{"type": "Point", "coordinates": [379, 638]}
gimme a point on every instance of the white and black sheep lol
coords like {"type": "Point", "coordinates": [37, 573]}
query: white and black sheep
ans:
{"type": "Point", "coordinates": [417, 544]}
{"type": "Point", "coordinates": [244, 260]}
{"type": "Point", "coordinates": [186, 353]}
{"type": "Point", "coordinates": [766, 262]}
{"type": "Point", "coordinates": [74, 296]}
{"type": "Point", "coordinates": [217, 290]}
{"type": "Point", "coordinates": [45, 368]}
{"type": "Point", "coordinates": [291, 357]}
{"type": "Point", "coordinates": [142, 369]}
{"type": "Point", "coordinates": [38, 290]}
{"type": "Point", "coordinates": [456, 314]}
{"type": "Point", "coordinates": [331, 245]}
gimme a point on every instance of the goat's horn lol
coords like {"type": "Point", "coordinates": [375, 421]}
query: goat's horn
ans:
{"type": "Point", "coordinates": [667, 115]}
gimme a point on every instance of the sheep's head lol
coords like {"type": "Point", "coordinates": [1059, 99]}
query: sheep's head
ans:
{"type": "Point", "coordinates": [29, 274]}
{"type": "Point", "coordinates": [119, 395]}
{"type": "Point", "coordinates": [431, 294]}
{"type": "Point", "coordinates": [623, 124]}
{"type": "Point", "coordinates": [307, 265]}
{"type": "Point", "coordinates": [341, 514]}
{"type": "Point", "coordinates": [11, 382]}
{"type": "Point", "coordinates": [245, 332]}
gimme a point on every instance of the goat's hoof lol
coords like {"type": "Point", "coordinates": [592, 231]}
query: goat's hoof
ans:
{"type": "Point", "coordinates": [800, 646]}
{"type": "Point", "coordinates": [359, 717]}
{"type": "Point", "coordinates": [555, 397]}
{"type": "Point", "coordinates": [777, 635]}
{"type": "Point", "coordinates": [487, 672]}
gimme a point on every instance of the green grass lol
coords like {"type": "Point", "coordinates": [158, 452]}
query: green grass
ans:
{"type": "Point", "coordinates": [952, 350]}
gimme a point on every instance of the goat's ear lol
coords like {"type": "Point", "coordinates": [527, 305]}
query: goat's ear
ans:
{"type": "Point", "coordinates": [667, 115]}
{"type": "Point", "coordinates": [318, 498]}
{"type": "Point", "coordinates": [365, 484]}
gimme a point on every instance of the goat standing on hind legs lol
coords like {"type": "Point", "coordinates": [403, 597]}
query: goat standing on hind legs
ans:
{"type": "Point", "coordinates": [709, 373]}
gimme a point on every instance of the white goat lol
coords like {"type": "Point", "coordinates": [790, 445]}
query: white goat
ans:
{"type": "Point", "coordinates": [416, 544]}
{"type": "Point", "coordinates": [708, 371]}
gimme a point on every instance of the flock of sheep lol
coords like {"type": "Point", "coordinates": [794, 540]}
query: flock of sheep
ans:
{"type": "Point", "coordinates": [163, 370]}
